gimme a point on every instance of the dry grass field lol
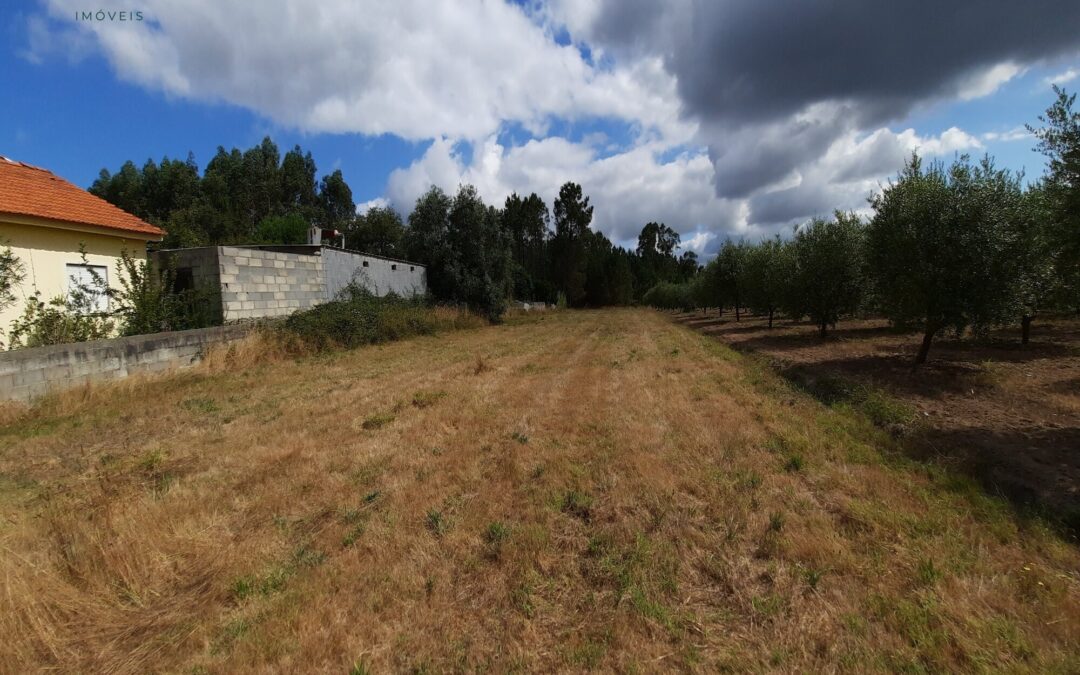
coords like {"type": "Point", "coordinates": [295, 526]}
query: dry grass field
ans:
{"type": "Point", "coordinates": [580, 490]}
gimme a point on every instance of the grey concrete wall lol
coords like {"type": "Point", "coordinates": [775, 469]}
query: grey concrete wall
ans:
{"type": "Point", "coordinates": [379, 275]}
{"type": "Point", "coordinates": [257, 283]}
{"type": "Point", "coordinates": [26, 374]}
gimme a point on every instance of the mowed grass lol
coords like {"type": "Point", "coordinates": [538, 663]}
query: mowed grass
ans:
{"type": "Point", "coordinates": [579, 490]}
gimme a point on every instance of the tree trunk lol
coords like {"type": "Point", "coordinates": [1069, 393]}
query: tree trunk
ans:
{"type": "Point", "coordinates": [736, 306]}
{"type": "Point", "coordinates": [924, 349]}
{"type": "Point", "coordinates": [1025, 329]}
{"type": "Point", "coordinates": [823, 326]}
{"type": "Point", "coordinates": [770, 318]}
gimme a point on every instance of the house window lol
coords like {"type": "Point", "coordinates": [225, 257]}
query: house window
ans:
{"type": "Point", "coordinates": [411, 268]}
{"type": "Point", "coordinates": [86, 287]}
{"type": "Point", "coordinates": [393, 267]}
{"type": "Point", "coordinates": [365, 263]}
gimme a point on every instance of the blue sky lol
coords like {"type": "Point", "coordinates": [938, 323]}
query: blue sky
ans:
{"type": "Point", "coordinates": [616, 119]}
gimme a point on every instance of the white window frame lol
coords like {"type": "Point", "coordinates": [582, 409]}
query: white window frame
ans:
{"type": "Point", "coordinates": [79, 273]}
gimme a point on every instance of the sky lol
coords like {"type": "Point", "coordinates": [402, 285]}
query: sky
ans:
{"type": "Point", "coordinates": [720, 118]}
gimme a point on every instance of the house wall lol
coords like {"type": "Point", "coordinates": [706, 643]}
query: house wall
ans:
{"type": "Point", "coordinates": [257, 283]}
{"type": "Point", "coordinates": [26, 374]}
{"type": "Point", "coordinates": [45, 252]}
{"type": "Point", "coordinates": [379, 275]}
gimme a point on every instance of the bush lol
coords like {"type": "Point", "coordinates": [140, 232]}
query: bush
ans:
{"type": "Point", "coordinates": [147, 301]}
{"type": "Point", "coordinates": [358, 317]}
{"type": "Point", "coordinates": [58, 321]}
{"type": "Point", "coordinates": [666, 295]}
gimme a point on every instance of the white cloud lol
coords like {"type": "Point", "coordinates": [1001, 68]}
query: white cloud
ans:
{"type": "Point", "coordinates": [459, 72]}
{"type": "Point", "coordinates": [411, 68]}
{"type": "Point", "coordinates": [627, 189]}
{"type": "Point", "coordinates": [43, 42]}
{"type": "Point", "coordinates": [1061, 78]}
{"type": "Point", "coordinates": [1014, 134]}
{"type": "Point", "coordinates": [377, 203]}
{"type": "Point", "coordinates": [988, 80]}
{"type": "Point", "coordinates": [845, 174]}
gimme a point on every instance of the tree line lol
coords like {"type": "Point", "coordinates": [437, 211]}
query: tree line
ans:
{"type": "Point", "coordinates": [948, 248]}
{"type": "Point", "coordinates": [477, 254]}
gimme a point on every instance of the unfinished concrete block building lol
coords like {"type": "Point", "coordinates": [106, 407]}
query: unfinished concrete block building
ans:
{"type": "Point", "coordinates": [252, 282]}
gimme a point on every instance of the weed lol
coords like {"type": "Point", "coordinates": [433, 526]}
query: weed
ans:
{"type": "Point", "coordinates": [305, 556]}
{"type": "Point", "coordinates": [437, 523]}
{"type": "Point", "coordinates": [244, 587]}
{"type": "Point", "coordinates": [750, 481]}
{"type": "Point", "coordinates": [350, 538]}
{"type": "Point", "coordinates": [519, 437]}
{"type": "Point", "coordinates": [794, 463]}
{"type": "Point", "coordinates": [521, 597]}
{"type": "Point", "coordinates": [885, 411]}
{"type": "Point", "coordinates": [813, 577]}
{"type": "Point", "coordinates": [588, 654]}
{"type": "Point", "coordinates": [926, 573]}
{"type": "Point", "coordinates": [577, 504]}
{"type": "Point", "coordinates": [481, 366]}
{"type": "Point", "coordinates": [377, 421]}
{"type": "Point", "coordinates": [151, 460]}
{"type": "Point", "coordinates": [360, 667]}
{"type": "Point", "coordinates": [204, 406]}
{"type": "Point", "coordinates": [426, 399]}
{"type": "Point", "coordinates": [776, 522]}
{"type": "Point", "coordinates": [494, 537]}
{"type": "Point", "coordinates": [276, 579]}
{"type": "Point", "coordinates": [230, 633]}
{"type": "Point", "coordinates": [766, 605]}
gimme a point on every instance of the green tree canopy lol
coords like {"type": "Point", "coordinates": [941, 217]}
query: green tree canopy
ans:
{"type": "Point", "coordinates": [380, 230]}
{"type": "Point", "coordinates": [936, 247]}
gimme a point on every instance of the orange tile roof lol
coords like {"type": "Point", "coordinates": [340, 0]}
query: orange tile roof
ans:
{"type": "Point", "coordinates": [31, 191]}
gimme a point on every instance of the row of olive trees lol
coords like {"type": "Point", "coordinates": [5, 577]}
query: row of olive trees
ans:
{"type": "Point", "coordinates": [947, 249]}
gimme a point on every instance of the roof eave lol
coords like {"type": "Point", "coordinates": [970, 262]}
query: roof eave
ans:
{"type": "Point", "coordinates": [24, 219]}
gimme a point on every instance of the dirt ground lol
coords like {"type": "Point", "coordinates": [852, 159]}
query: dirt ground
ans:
{"type": "Point", "coordinates": [1006, 413]}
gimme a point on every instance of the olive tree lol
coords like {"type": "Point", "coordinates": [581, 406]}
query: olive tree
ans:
{"type": "Point", "coordinates": [1033, 257]}
{"type": "Point", "coordinates": [937, 246]}
{"type": "Point", "coordinates": [767, 275]}
{"type": "Point", "coordinates": [827, 282]}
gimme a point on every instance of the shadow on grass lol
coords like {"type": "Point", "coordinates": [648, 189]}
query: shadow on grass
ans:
{"type": "Point", "coordinates": [1035, 469]}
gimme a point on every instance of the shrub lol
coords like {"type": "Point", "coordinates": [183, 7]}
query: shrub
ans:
{"type": "Point", "coordinates": [358, 317]}
{"type": "Point", "coordinates": [58, 321]}
{"type": "Point", "coordinates": [666, 295]}
{"type": "Point", "coordinates": [147, 301]}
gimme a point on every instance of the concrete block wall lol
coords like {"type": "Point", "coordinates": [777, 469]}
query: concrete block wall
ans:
{"type": "Point", "coordinates": [379, 275]}
{"type": "Point", "coordinates": [26, 374]}
{"type": "Point", "coordinates": [258, 283]}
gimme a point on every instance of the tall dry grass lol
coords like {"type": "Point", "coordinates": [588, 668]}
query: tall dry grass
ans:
{"type": "Point", "coordinates": [587, 490]}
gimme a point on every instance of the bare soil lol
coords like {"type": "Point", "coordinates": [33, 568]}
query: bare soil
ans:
{"type": "Point", "coordinates": [1004, 412]}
